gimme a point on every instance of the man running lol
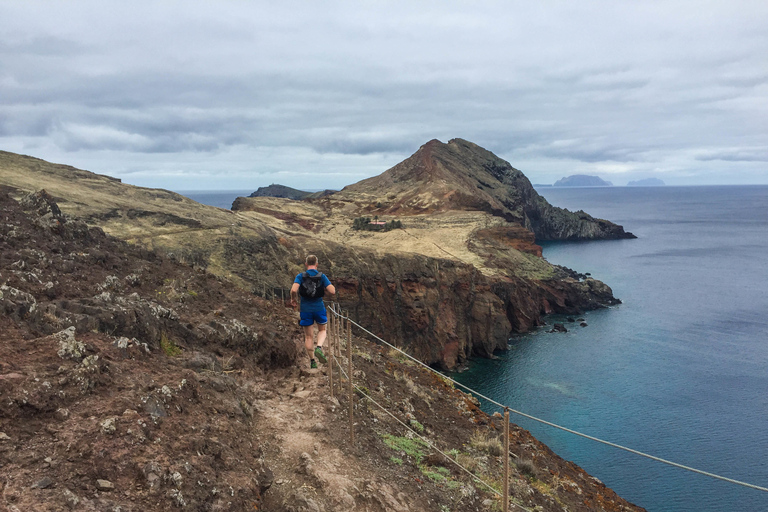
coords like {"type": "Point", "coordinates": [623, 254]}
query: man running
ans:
{"type": "Point", "coordinates": [311, 286]}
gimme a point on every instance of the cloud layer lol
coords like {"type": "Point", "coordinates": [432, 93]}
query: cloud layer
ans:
{"type": "Point", "coordinates": [322, 94]}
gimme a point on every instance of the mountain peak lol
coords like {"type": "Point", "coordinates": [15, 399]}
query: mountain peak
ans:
{"type": "Point", "coordinates": [461, 175]}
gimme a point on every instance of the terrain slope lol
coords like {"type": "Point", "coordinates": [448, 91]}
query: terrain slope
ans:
{"type": "Point", "coordinates": [461, 275]}
{"type": "Point", "coordinates": [131, 381]}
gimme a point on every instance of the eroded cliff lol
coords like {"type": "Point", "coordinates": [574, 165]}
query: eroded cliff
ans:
{"type": "Point", "coordinates": [461, 275]}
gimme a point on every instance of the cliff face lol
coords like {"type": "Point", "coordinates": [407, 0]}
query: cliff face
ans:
{"type": "Point", "coordinates": [454, 282]}
{"type": "Point", "coordinates": [275, 190]}
{"type": "Point", "coordinates": [461, 175]}
{"type": "Point", "coordinates": [129, 381]}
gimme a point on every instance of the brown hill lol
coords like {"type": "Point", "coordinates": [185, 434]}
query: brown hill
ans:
{"type": "Point", "coordinates": [461, 175]}
{"type": "Point", "coordinates": [131, 382]}
{"type": "Point", "coordinates": [449, 285]}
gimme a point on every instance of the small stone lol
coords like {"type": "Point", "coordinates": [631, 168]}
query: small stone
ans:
{"type": "Point", "coordinates": [309, 372]}
{"type": "Point", "coordinates": [583, 324]}
{"type": "Point", "coordinates": [153, 480]}
{"type": "Point", "coordinates": [104, 485]}
{"type": "Point", "coordinates": [497, 414]}
{"type": "Point", "coordinates": [318, 427]}
{"type": "Point", "coordinates": [62, 413]}
{"type": "Point", "coordinates": [71, 498]}
{"type": "Point", "coordinates": [108, 426]}
{"type": "Point", "coordinates": [43, 483]}
{"type": "Point", "coordinates": [487, 503]}
{"type": "Point", "coordinates": [4, 437]}
{"type": "Point", "coordinates": [302, 394]}
{"type": "Point", "coordinates": [155, 408]}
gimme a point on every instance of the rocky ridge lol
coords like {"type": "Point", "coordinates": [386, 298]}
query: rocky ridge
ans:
{"type": "Point", "coordinates": [453, 283]}
{"type": "Point", "coordinates": [130, 381]}
{"type": "Point", "coordinates": [460, 175]}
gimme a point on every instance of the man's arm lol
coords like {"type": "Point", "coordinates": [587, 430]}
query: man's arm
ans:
{"type": "Point", "coordinates": [295, 294]}
{"type": "Point", "coordinates": [331, 289]}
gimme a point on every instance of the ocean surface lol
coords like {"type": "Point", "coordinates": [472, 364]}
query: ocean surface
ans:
{"type": "Point", "coordinates": [220, 198]}
{"type": "Point", "coordinates": [679, 370]}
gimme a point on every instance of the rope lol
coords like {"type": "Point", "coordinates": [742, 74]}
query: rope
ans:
{"type": "Point", "coordinates": [473, 475]}
{"type": "Point", "coordinates": [565, 429]}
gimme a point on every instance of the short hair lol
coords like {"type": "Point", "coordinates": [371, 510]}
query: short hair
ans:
{"type": "Point", "coordinates": [311, 260]}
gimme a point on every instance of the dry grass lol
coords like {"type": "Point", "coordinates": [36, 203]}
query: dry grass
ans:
{"type": "Point", "coordinates": [413, 388]}
{"type": "Point", "coordinates": [482, 442]}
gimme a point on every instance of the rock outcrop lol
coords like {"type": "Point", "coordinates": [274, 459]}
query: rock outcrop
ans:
{"type": "Point", "coordinates": [463, 273]}
{"type": "Point", "coordinates": [130, 381]}
{"type": "Point", "coordinates": [461, 175]}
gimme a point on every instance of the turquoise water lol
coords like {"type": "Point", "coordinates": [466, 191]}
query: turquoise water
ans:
{"type": "Point", "coordinates": [679, 370]}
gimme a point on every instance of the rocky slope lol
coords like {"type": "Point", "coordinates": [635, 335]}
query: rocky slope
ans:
{"type": "Point", "coordinates": [132, 382]}
{"type": "Point", "coordinates": [461, 175]}
{"type": "Point", "coordinates": [452, 284]}
{"type": "Point", "coordinates": [275, 190]}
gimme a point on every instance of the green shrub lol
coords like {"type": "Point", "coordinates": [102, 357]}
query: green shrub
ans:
{"type": "Point", "coordinates": [415, 448]}
{"type": "Point", "coordinates": [168, 346]}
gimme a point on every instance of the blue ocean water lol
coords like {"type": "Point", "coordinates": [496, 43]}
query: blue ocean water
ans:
{"type": "Point", "coordinates": [220, 198]}
{"type": "Point", "coordinates": [679, 370]}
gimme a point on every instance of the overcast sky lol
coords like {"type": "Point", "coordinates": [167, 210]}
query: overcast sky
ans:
{"type": "Point", "coordinates": [237, 95]}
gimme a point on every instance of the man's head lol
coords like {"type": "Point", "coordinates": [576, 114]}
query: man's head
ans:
{"type": "Point", "coordinates": [311, 261]}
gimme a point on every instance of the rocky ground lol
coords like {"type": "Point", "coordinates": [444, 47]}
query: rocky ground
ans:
{"type": "Point", "coordinates": [451, 284]}
{"type": "Point", "coordinates": [129, 382]}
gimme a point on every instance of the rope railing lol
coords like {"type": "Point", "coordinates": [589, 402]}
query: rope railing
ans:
{"type": "Point", "coordinates": [476, 477]}
{"type": "Point", "coordinates": [549, 423]}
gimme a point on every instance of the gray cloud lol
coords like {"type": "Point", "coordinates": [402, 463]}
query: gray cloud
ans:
{"type": "Point", "coordinates": [343, 90]}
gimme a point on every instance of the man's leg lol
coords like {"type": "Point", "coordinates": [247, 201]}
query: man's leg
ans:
{"type": "Point", "coordinates": [309, 341]}
{"type": "Point", "coordinates": [320, 334]}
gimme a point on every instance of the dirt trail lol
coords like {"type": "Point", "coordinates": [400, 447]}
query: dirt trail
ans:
{"type": "Point", "coordinates": [301, 428]}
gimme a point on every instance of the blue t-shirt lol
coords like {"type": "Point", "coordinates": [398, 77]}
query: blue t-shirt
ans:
{"type": "Point", "coordinates": [312, 305]}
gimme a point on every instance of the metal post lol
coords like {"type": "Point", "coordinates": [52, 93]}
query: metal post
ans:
{"type": "Point", "coordinates": [329, 339]}
{"type": "Point", "coordinates": [349, 375]}
{"type": "Point", "coordinates": [506, 459]}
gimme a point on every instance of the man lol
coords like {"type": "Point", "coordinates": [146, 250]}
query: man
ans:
{"type": "Point", "coordinates": [311, 286]}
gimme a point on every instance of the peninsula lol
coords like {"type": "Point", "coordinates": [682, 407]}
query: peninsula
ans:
{"type": "Point", "coordinates": [149, 362]}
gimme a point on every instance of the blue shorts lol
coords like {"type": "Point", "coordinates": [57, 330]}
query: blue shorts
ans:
{"type": "Point", "coordinates": [310, 317]}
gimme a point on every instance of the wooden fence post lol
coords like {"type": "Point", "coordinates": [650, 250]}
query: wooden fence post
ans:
{"type": "Point", "coordinates": [329, 339]}
{"type": "Point", "coordinates": [506, 459]}
{"type": "Point", "coordinates": [349, 375]}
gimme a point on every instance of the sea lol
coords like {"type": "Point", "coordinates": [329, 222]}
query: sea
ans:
{"type": "Point", "coordinates": [679, 370]}
{"type": "Point", "coordinates": [219, 198]}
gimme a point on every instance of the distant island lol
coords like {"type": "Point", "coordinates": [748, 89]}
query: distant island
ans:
{"type": "Point", "coordinates": [582, 180]}
{"type": "Point", "coordinates": [647, 182]}
{"type": "Point", "coordinates": [275, 190]}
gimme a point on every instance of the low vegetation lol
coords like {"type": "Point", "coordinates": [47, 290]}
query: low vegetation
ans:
{"type": "Point", "coordinates": [365, 224]}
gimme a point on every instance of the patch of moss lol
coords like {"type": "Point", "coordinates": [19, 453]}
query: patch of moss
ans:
{"type": "Point", "coordinates": [415, 448]}
{"type": "Point", "coordinates": [168, 346]}
{"type": "Point", "coordinates": [418, 427]}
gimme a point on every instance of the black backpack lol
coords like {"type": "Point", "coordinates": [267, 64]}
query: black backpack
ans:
{"type": "Point", "coordinates": [311, 286]}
